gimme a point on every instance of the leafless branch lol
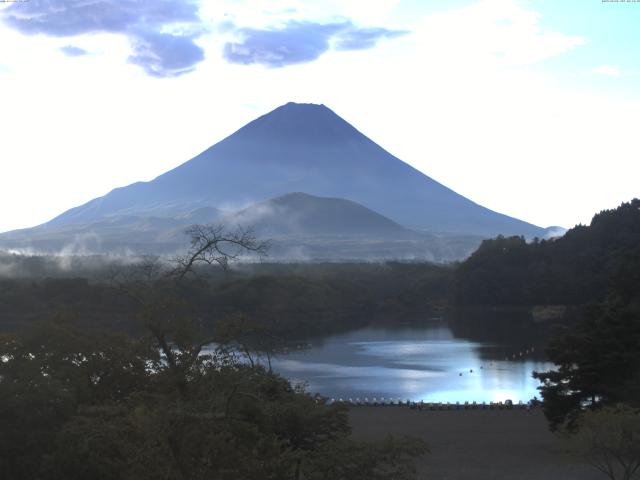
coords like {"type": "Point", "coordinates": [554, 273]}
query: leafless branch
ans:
{"type": "Point", "coordinates": [213, 244]}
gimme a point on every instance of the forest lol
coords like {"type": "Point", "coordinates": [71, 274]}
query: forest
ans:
{"type": "Point", "coordinates": [104, 371]}
{"type": "Point", "coordinates": [578, 268]}
{"type": "Point", "coordinates": [153, 402]}
{"type": "Point", "coordinates": [315, 298]}
{"type": "Point", "coordinates": [593, 392]}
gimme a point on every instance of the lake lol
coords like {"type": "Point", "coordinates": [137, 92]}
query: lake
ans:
{"type": "Point", "coordinates": [418, 363]}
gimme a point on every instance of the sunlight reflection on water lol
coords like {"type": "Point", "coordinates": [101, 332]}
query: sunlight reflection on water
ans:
{"type": "Point", "coordinates": [426, 363]}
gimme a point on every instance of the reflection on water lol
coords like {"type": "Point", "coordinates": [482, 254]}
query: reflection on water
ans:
{"type": "Point", "coordinates": [426, 363]}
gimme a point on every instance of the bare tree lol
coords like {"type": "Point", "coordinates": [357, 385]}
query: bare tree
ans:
{"type": "Point", "coordinates": [213, 244]}
{"type": "Point", "coordinates": [163, 311]}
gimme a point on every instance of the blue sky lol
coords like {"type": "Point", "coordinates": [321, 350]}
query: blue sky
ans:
{"type": "Point", "coordinates": [530, 108]}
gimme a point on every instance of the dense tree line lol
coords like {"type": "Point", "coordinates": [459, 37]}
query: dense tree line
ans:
{"type": "Point", "coordinates": [578, 268]}
{"type": "Point", "coordinates": [593, 392]}
{"type": "Point", "coordinates": [597, 361]}
{"type": "Point", "coordinates": [294, 298]}
{"type": "Point", "coordinates": [593, 269]}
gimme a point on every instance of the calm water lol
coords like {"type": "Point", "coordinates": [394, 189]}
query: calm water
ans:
{"type": "Point", "coordinates": [423, 363]}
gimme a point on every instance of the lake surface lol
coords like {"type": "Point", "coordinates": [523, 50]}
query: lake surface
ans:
{"type": "Point", "coordinates": [418, 363]}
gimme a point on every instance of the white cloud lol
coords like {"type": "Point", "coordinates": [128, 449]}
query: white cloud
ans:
{"type": "Point", "coordinates": [610, 70]}
{"type": "Point", "coordinates": [461, 98]}
{"type": "Point", "coordinates": [492, 32]}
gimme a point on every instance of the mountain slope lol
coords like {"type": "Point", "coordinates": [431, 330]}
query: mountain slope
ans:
{"type": "Point", "coordinates": [306, 215]}
{"type": "Point", "coordinates": [302, 148]}
{"type": "Point", "coordinates": [299, 227]}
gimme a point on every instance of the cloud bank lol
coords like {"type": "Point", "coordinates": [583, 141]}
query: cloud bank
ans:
{"type": "Point", "coordinates": [75, 17]}
{"type": "Point", "coordinates": [159, 54]}
{"type": "Point", "coordinates": [165, 55]}
{"type": "Point", "coordinates": [163, 33]}
{"type": "Point", "coordinates": [300, 42]}
{"type": "Point", "coordinates": [363, 38]}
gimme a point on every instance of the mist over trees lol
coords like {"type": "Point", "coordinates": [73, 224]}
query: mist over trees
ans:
{"type": "Point", "coordinates": [77, 403]}
{"type": "Point", "coordinates": [309, 298]}
{"type": "Point", "coordinates": [124, 371]}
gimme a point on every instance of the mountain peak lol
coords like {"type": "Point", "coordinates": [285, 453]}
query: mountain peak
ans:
{"type": "Point", "coordinates": [308, 123]}
{"type": "Point", "coordinates": [308, 106]}
{"type": "Point", "coordinates": [304, 111]}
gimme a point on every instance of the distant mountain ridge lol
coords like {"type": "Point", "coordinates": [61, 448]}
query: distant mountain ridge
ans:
{"type": "Point", "coordinates": [299, 227]}
{"type": "Point", "coordinates": [303, 214]}
{"type": "Point", "coordinates": [306, 178]}
{"type": "Point", "coordinates": [303, 148]}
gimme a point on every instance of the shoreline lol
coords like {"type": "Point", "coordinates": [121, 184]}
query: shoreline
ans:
{"type": "Point", "coordinates": [438, 406]}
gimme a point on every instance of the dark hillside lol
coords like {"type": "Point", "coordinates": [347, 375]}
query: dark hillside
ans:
{"type": "Point", "coordinates": [581, 267]}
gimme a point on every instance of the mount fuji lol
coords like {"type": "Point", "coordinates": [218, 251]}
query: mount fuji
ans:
{"type": "Point", "coordinates": [297, 148]}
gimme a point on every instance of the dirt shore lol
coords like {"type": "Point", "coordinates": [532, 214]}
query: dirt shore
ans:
{"type": "Point", "coordinates": [476, 444]}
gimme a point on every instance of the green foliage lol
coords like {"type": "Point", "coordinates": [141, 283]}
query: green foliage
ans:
{"type": "Point", "coordinates": [575, 269]}
{"type": "Point", "coordinates": [292, 299]}
{"type": "Point", "coordinates": [597, 362]}
{"type": "Point", "coordinates": [47, 373]}
{"type": "Point", "coordinates": [77, 404]}
{"type": "Point", "coordinates": [609, 440]}
{"type": "Point", "coordinates": [349, 460]}
{"type": "Point", "coordinates": [595, 269]}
